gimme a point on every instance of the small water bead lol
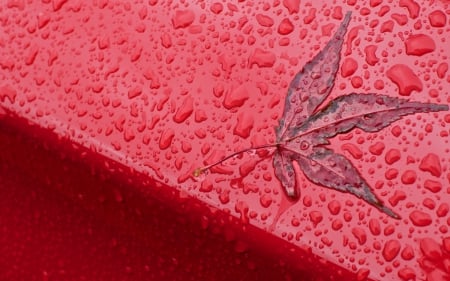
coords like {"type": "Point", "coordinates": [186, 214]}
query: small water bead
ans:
{"type": "Point", "coordinates": [409, 177]}
{"type": "Point", "coordinates": [392, 156]}
{"type": "Point", "coordinates": [183, 18]}
{"type": "Point", "coordinates": [407, 273]}
{"type": "Point", "coordinates": [360, 235]}
{"type": "Point", "coordinates": [377, 148]}
{"type": "Point", "coordinates": [391, 249]}
{"type": "Point", "coordinates": [285, 27]}
{"type": "Point", "coordinates": [420, 218]}
{"type": "Point", "coordinates": [334, 207]}
{"type": "Point", "coordinates": [431, 163]}
{"type": "Point", "coordinates": [349, 67]}
{"type": "Point", "coordinates": [437, 18]}
{"type": "Point", "coordinates": [442, 210]}
{"type": "Point", "coordinates": [336, 224]}
{"type": "Point", "coordinates": [206, 185]}
{"type": "Point", "coordinates": [389, 230]}
{"type": "Point", "coordinates": [265, 200]}
{"type": "Point", "coordinates": [391, 173]}
{"type": "Point", "coordinates": [264, 20]}
{"type": "Point", "coordinates": [374, 226]}
{"type": "Point", "coordinates": [316, 217]}
{"type": "Point", "coordinates": [407, 253]}
{"type": "Point", "coordinates": [398, 196]}
{"type": "Point", "coordinates": [429, 203]}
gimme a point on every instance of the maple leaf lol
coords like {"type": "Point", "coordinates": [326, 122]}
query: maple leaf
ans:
{"type": "Point", "coordinates": [304, 129]}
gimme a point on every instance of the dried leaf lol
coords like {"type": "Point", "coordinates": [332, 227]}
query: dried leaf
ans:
{"type": "Point", "coordinates": [312, 85]}
{"type": "Point", "coordinates": [303, 130]}
{"type": "Point", "coordinates": [369, 112]}
{"type": "Point", "coordinates": [332, 170]}
{"type": "Point", "coordinates": [286, 173]}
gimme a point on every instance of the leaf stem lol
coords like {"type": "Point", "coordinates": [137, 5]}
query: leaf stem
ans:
{"type": "Point", "coordinates": [199, 171]}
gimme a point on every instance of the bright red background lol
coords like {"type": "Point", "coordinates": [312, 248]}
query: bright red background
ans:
{"type": "Point", "coordinates": [157, 87]}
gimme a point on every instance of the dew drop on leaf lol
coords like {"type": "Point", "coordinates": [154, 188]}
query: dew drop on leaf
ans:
{"type": "Point", "coordinates": [304, 145]}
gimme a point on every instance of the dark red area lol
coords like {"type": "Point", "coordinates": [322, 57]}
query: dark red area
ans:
{"type": "Point", "coordinates": [65, 217]}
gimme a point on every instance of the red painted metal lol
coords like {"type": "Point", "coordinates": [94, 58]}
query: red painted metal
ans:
{"type": "Point", "coordinates": [106, 108]}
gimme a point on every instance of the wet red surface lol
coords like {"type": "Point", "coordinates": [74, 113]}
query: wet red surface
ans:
{"type": "Point", "coordinates": [122, 101]}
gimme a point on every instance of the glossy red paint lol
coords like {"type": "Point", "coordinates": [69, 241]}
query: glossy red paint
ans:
{"type": "Point", "coordinates": [106, 108]}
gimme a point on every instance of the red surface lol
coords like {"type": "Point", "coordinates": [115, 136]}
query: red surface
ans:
{"type": "Point", "coordinates": [64, 218]}
{"type": "Point", "coordinates": [148, 91]}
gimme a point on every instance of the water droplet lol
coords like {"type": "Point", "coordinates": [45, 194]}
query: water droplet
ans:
{"type": "Point", "coordinates": [405, 79]}
{"type": "Point", "coordinates": [185, 110]}
{"type": "Point", "coordinates": [166, 40]}
{"type": "Point", "coordinates": [407, 253]}
{"type": "Point", "coordinates": [437, 18]}
{"type": "Point", "coordinates": [316, 217]}
{"type": "Point", "coordinates": [236, 97]}
{"type": "Point", "coordinates": [370, 52]}
{"type": "Point", "coordinates": [391, 249]}
{"type": "Point", "coordinates": [442, 210]}
{"type": "Point", "coordinates": [409, 177]}
{"type": "Point", "coordinates": [264, 20]}
{"type": "Point", "coordinates": [431, 163]}
{"type": "Point", "coordinates": [359, 234]}
{"type": "Point", "coordinates": [336, 224]}
{"type": "Point", "coordinates": [247, 167]}
{"type": "Point", "coordinates": [398, 196]}
{"type": "Point", "coordinates": [353, 150]}
{"type": "Point", "coordinates": [262, 58]}
{"type": "Point", "coordinates": [285, 27]}
{"type": "Point", "coordinates": [224, 197]}
{"type": "Point", "coordinates": [407, 273]}
{"type": "Point", "coordinates": [374, 226]}
{"type": "Point", "coordinates": [392, 156]}
{"type": "Point", "coordinates": [349, 66]}
{"type": "Point", "coordinates": [420, 218]}
{"type": "Point", "coordinates": [293, 6]}
{"type": "Point", "coordinates": [166, 138]}
{"type": "Point", "coordinates": [265, 200]}
{"type": "Point", "coordinates": [217, 8]}
{"type": "Point", "coordinates": [206, 185]}
{"type": "Point", "coordinates": [377, 148]}
{"type": "Point", "coordinates": [183, 18]}
{"type": "Point", "coordinates": [419, 44]}
{"type": "Point", "coordinates": [8, 92]}
{"type": "Point", "coordinates": [244, 124]}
